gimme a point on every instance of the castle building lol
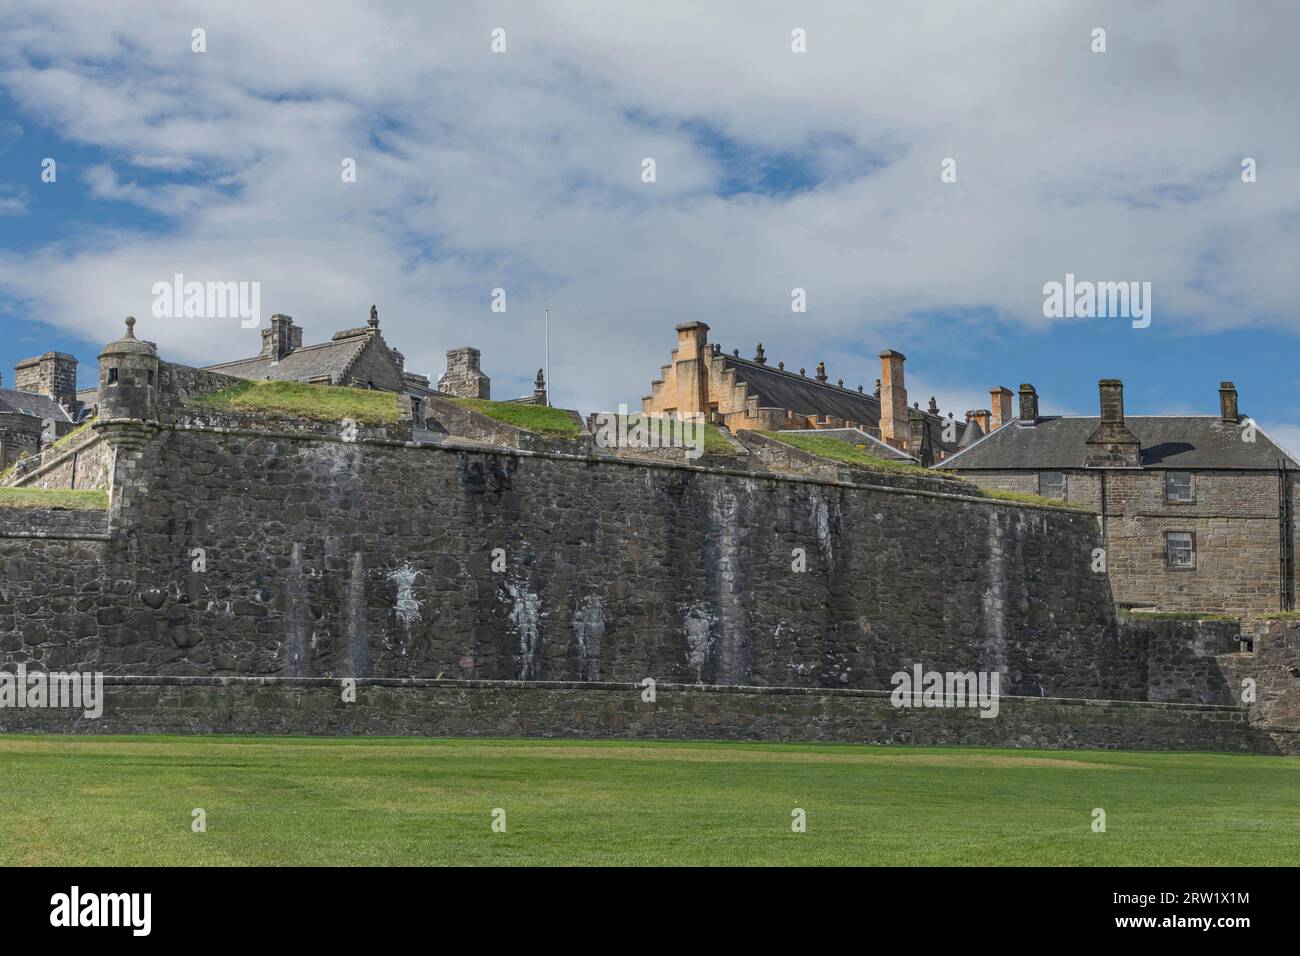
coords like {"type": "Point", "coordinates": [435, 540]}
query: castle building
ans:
{"type": "Point", "coordinates": [41, 407]}
{"type": "Point", "coordinates": [357, 358]}
{"type": "Point", "coordinates": [1196, 510]}
{"type": "Point", "coordinates": [741, 393]}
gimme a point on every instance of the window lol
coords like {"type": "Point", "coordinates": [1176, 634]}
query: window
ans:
{"type": "Point", "coordinates": [1178, 486]}
{"type": "Point", "coordinates": [151, 376]}
{"type": "Point", "coordinates": [112, 376]}
{"type": "Point", "coordinates": [1051, 484]}
{"type": "Point", "coordinates": [1180, 549]}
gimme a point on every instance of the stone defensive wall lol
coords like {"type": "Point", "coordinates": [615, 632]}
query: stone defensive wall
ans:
{"type": "Point", "coordinates": [249, 570]}
{"type": "Point", "coordinates": [442, 708]}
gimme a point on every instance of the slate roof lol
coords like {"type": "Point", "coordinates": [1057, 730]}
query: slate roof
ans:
{"type": "Point", "coordinates": [302, 364]}
{"type": "Point", "coordinates": [1168, 441]}
{"type": "Point", "coordinates": [776, 388]}
{"type": "Point", "coordinates": [29, 403]}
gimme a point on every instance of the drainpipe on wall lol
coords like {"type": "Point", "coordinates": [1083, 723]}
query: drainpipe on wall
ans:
{"type": "Point", "coordinates": [1285, 584]}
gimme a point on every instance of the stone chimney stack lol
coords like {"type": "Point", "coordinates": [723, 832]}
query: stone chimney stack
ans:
{"type": "Point", "coordinates": [1001, 402]}
{"type": "Point", "coordinates": [53, 375]}
{"type": "Point", "coordinates": [691, 368]}
{"type": "Point", "coordinates": [1028, 405]}
{"type": "Point", "coordinates": [281, 338]}
{"type": "Point", "coordinates": [463, 379]}
{"type": "Point", "coordinates": [894, 428]}
{"type": "Point", "coordinates": [981, 416]}
{"type": "Point", "coordinates": [1228, 403]}
{"type": "Point", "coordinates": [1112, 445]}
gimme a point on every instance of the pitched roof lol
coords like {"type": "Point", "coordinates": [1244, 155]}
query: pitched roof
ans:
{"type": "Point", "coordinates": [1168, 441]}
{"type": "Point", "coordinates": [29, 403]}
{"type": "Point", "coordinates": [331, 358]}
{"type": "Point", "coordinates": [777, 388]}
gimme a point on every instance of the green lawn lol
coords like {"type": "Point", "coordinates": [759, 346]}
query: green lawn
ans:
{"type": "Point", "coordinates": [74, 801]}
{"type": "Point", "coordinates": [541, 419]}
{"type": "Point", "coordinates": [322, 403]}
{"type": "Point", "coordinates": [78, 500]}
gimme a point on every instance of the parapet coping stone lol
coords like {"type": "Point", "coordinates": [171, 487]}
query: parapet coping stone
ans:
{"type": "Point", "coordinates": [615, 686]}
{"type": "Point", "coordinates": [461, 445]}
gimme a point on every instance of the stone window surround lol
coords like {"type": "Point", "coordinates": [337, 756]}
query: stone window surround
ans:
{"type": "Point", "coordinates": [1191, 533]}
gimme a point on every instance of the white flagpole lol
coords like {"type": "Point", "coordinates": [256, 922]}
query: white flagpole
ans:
{"type": "Point", "coordinates": [548, 357]}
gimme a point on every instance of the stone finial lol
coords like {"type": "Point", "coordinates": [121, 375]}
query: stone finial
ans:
{"type": "Point", "coordinates": [374, 318]}
{"type": "Point", "coordinates": [840, 382]}
{"type": "Point", "coordinates": [934, 406]}
{"type": "Point", "coordinates": [540, 381]}
{"type": "Point", "coordinates": [130, 327]}
{"type": "Point", "coordinates": [877, 388]}
{"type": "Point", "coordinates": [759, 355]}
{"type": "Point", "coordinates": [735, 353]}
{"type": "Point", "coordinates": [803, 372]}
{"type": "Point", "coordinates": [781, 366]}
{"type": "Point", "coordinates": [860, 388]}
{"type": "Point", "coordinates": [916, 405]}
{"type": "Point", "coordinates": [821, 371]}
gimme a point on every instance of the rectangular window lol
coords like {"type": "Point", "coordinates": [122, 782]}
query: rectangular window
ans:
{"type": "Point", "coordinates": [1051, 484]}
{"type": "Point", "coordinates": [1178, 486]}
{"type": "Point", "coordinates": [112, 376]}
{"type": "Point", "coordinates": [1180, 549]}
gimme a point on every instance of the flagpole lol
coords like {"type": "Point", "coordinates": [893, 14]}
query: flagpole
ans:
{"type": "Point", "coordinates": [548, 357]}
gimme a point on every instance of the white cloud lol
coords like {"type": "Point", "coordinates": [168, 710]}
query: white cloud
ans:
{"type": "Point", "coordinates": [522, 171]}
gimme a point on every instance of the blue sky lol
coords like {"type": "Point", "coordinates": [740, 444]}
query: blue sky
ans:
{"type": "Point", "coordinates": [775, 171]}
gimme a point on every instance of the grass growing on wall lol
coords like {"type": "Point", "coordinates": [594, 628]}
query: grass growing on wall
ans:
{"type": "Point", "coordinates": [539, 419]}
{"type": "Point", "coordinates": [71, 436]}
{"type": "Point", "coordinates": [1027, 498]}
{"type": "Point", "coordinates": [837, 449]}
{"type": "Point", "coordinates": [1138, 615]}
{"type": "Point", "coordinates": [60, 498]}
{"type": "Point", "coordinates": [320, 403]}
{"type": "Point", "coordinates": [126, 801]}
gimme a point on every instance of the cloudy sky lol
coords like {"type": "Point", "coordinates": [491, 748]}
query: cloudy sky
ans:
{"type": "Point", "coordinates": [775, 170]}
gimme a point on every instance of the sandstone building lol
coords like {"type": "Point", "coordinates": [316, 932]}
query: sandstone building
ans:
{"type": "Point", "coordinates": [744, 394]}
{"type": "Point", "coordinates": [1197, 511]}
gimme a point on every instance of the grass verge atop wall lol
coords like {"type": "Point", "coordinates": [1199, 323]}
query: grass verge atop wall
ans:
{"type": "Point", "coordinates": [539, 419]}
{"type": "Point", "coordinates": [1125, 612]}
{"type": "Point", "coordinates": [321, 403]}
{"type": "Point", "coordinates": [127, 801]}
{"type": "Point", "coordinates": [846, 453]}
{"type": "Point", "coordinates": [54, 498]}
{"type": "Point", "coordinates": [1025, 497]}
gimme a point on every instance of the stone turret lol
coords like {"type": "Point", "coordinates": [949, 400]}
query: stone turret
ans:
{"type": "Point", "coordinates": [128, 378]}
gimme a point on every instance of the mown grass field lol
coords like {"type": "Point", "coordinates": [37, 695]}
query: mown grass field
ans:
{"type": "Point", "coordinates": [127, 800]}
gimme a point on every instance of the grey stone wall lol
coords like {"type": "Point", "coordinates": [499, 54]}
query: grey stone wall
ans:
{"type": "Point", "coordinates": [519, 709]}
{"type": "Point", "coordinates": [322, 557]}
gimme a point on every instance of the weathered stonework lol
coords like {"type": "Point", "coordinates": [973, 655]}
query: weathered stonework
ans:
{"type": "Point", "coordinates": [577, 710]}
